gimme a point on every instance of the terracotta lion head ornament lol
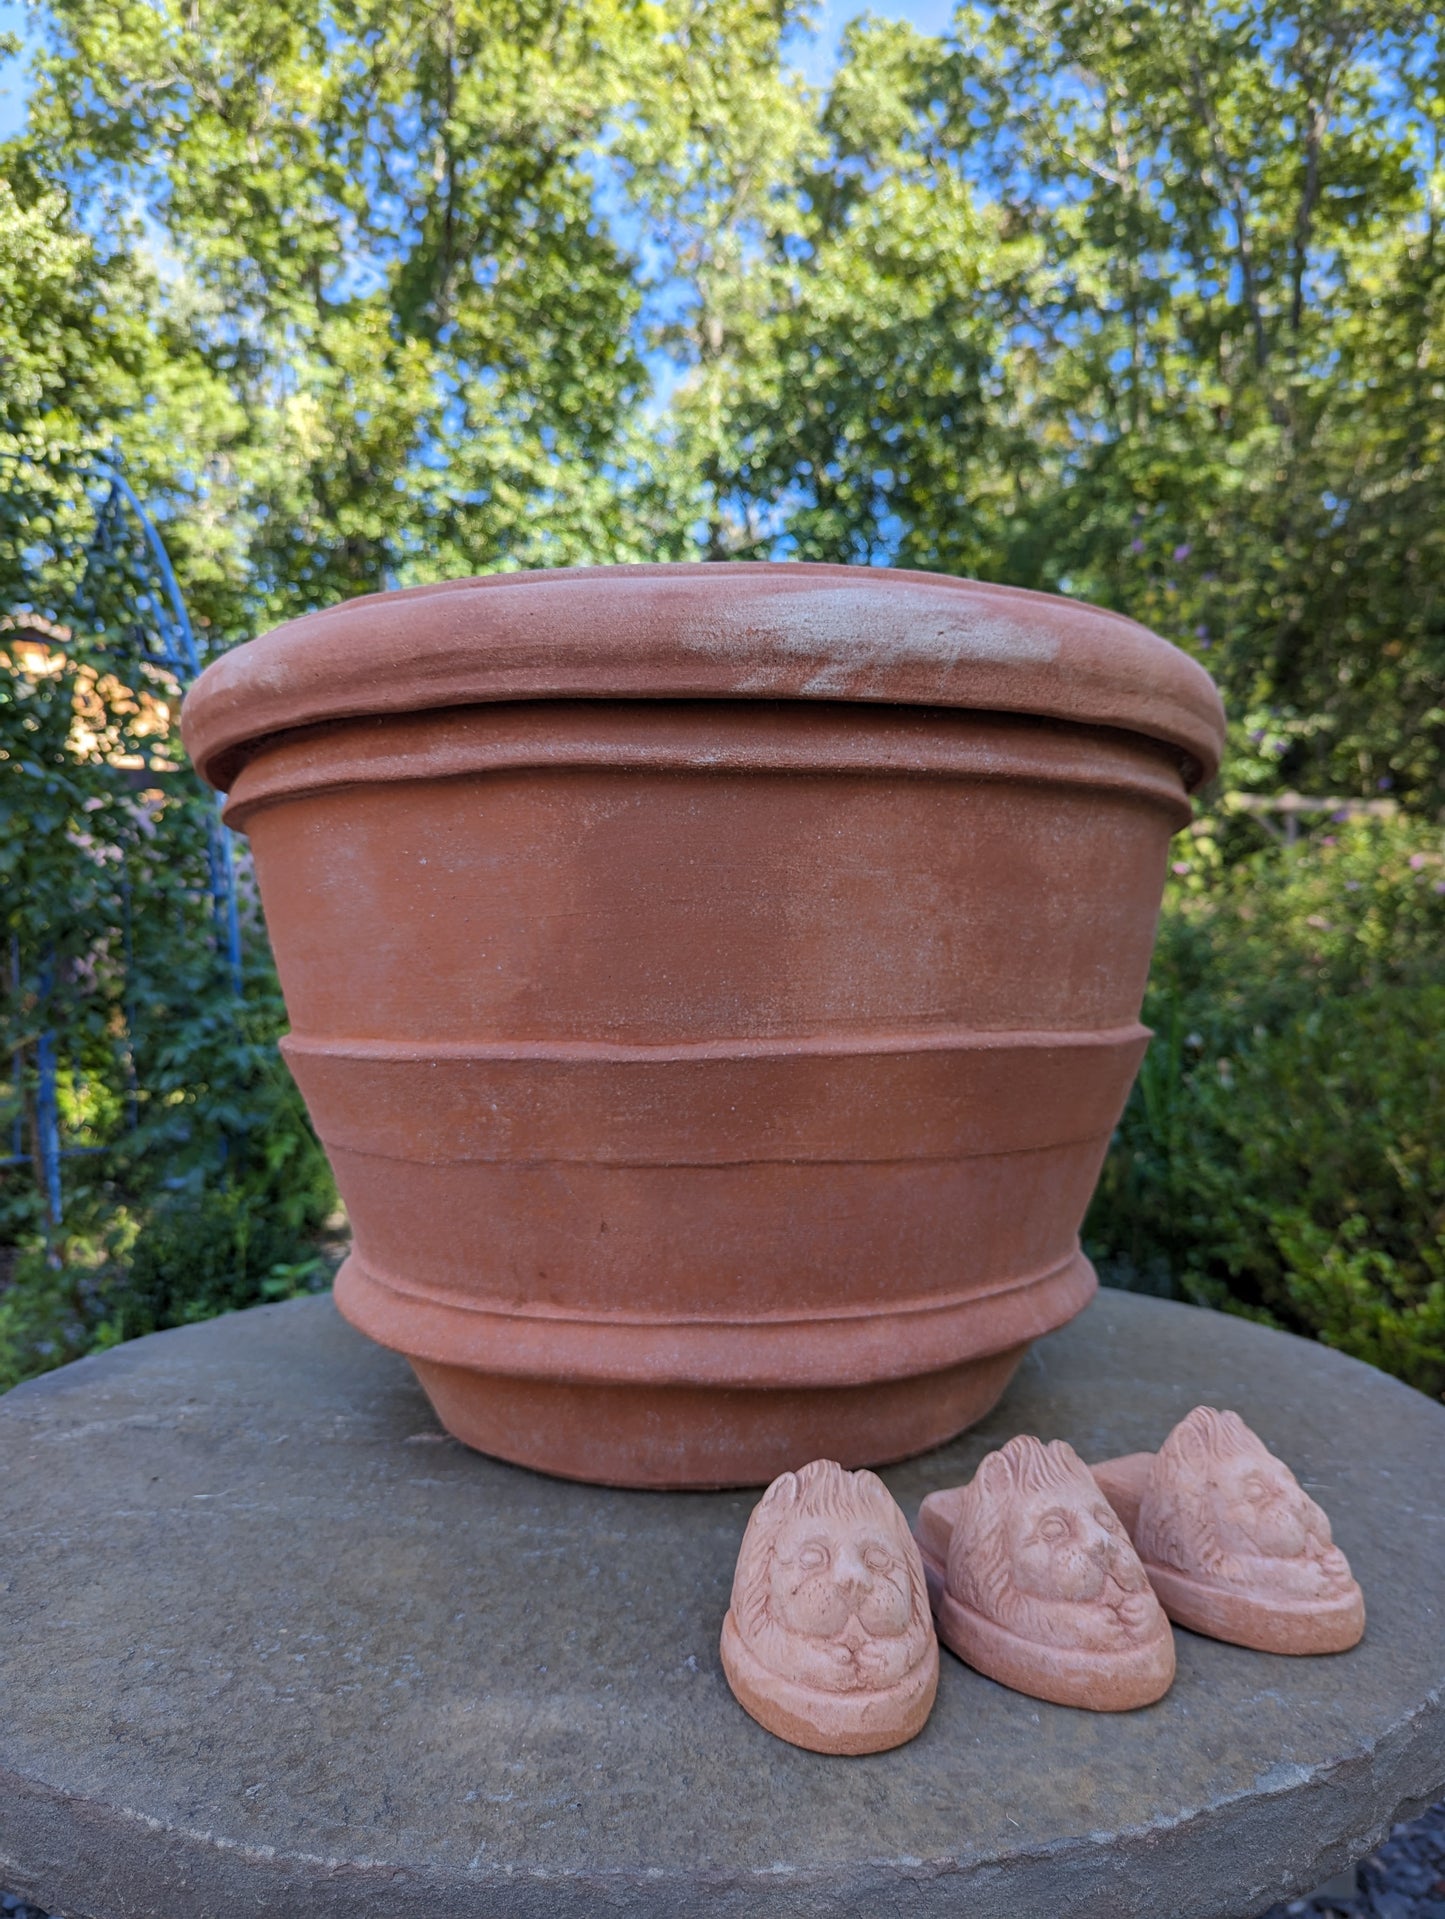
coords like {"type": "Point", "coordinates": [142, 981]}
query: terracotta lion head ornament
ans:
{"type": "Point", "coordinates": [1233, 1544]}
{"type": "Point", "coordinates": [828, 1640]}
{"type": "Point", "coordinates": [1035, 1583]}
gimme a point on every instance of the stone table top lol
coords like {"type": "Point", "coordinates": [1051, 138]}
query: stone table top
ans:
{"type": "Point", "coordinates": [270, 1643]}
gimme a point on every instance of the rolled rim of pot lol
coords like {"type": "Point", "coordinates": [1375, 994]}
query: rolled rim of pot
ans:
{"type": "Point", "coordinates": [729, 630]}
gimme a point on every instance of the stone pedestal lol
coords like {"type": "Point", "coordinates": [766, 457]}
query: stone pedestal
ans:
{"type": "Point", "coordinates": [270, 1643]}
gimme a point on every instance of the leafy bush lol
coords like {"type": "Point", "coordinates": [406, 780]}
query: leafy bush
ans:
{"type": "Point", "coordinates": [1283, 1153]}
{"type": "Point", "coordinates": [211, 1253]}
{"type": "Point", "coordinates": [220, 1198]}
{"type": "Point", "coordinates": [196, 1257]}
{"type": "Point", "coordinates": [192, 1181]}
{"type": "Point", "coordinates": [47, 1317]}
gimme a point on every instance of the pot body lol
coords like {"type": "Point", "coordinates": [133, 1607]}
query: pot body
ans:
{"type": "Point", "coordinates": [713, 1085]}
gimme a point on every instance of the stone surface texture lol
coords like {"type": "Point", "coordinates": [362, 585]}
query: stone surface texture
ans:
{"type": "Point", "coordinates": [269, 1643]}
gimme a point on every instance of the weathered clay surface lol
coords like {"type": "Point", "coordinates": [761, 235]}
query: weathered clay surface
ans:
{"type": "Point", "coordinates": [269, 1643]}
{"type": "Point", "coordinates": [715, 987]}
{"type": "Point", "coordinates": [755, 631]}
{"type": "Point", "coordinates": [1038, 1586]}
{"type": "Point", "coordinates": [828, 1641]}
{"type": "Point", "coordinates": [1232, 1543]}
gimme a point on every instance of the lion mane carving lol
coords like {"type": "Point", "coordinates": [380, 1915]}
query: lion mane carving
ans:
{"type": "Point", "coordinates": [1037, 1550]}
{"type": "Point", "coordinates": [1219, 1504]}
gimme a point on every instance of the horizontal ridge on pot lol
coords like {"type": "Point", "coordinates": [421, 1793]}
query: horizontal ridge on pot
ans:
{"type": "Point", "coordinates": [715, 1079]}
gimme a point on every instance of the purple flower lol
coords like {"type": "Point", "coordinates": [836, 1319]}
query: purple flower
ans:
{"type": "Point", "coordinates": [1329, 840]}
{"type": "Point", "coordinates": [1136, 546]}
{"type": "Point", "coordinates": [1182, 866]}
{"type": "Point", "coordinates": [1183, 552]}
{"type": "Point", "coordinates": [1343, 814]}
{"type": "Point", "coordinates": [1352, 886]}
{"type": "Point", "coordinates": [1417, 860]}
{"type": "Point", "coordinates": [1440, 886]}
{"type": "Point", "coordinates": [1385, 783]}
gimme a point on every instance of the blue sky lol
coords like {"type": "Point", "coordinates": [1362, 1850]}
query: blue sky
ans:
{"type": "Point", "coordinates": [931, 16]}
{"type": "Point", "coordinates": [12, 72]}
{"type": "Point", "coordinates": [831, 16]}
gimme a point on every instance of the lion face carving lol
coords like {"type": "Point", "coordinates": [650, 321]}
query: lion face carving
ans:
{"type": "Point", "coordinates": [829, 1590]}
{"type": "Point", "coordinates": [828, 1641]}
{"type": "Point", "coordinates": [1039, 1551]}
{"type": "Point", "coordinates": [1219, 1503]}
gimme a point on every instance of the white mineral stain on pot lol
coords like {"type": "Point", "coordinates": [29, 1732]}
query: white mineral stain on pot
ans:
{"type": "Point", "coordinates": [850, 631]}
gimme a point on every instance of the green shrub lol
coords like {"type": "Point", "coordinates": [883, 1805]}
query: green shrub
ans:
{"type": "Point", "coordinates": [47, 1318]}
{"type": "Point", "coordinates": [1283, 1153]}
{"type": "Point", "coordinates": [195, 1256]}
{"type": "Point", "coordinates": [211, 1253]}
{"type": "Point", "coordinates": [190, 1179]}
{"type": "Point", "coordinates": [218, 1199]}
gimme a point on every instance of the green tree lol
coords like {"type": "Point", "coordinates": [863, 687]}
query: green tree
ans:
{"type": "Point", "coordinates": [1142, 304]}
{"type": "Point", "coordinates": [714, 160]}
{"type": "Point", "coordinates": [111, 955]}
{"type": "Point", "coordinates": [382, 226]}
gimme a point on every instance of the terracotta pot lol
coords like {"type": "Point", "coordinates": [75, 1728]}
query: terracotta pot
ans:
{"type": "Point", "coordinates": [715, 986]}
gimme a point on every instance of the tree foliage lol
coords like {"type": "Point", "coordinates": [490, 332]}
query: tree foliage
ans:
{"type": "Point", "coordinates": [1284, 1148]}
{"type": "Point", "coordinates": [1143, 304]}
{"type": "Point", "coordinates": [1140, 303]}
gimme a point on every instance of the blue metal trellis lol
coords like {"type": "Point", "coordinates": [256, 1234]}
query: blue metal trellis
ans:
{"type": "Point", "coordinates": [166, 636]}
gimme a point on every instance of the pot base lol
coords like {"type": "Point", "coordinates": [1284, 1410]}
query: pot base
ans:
{"type": "Point", "coordinates": [673, 1438]}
